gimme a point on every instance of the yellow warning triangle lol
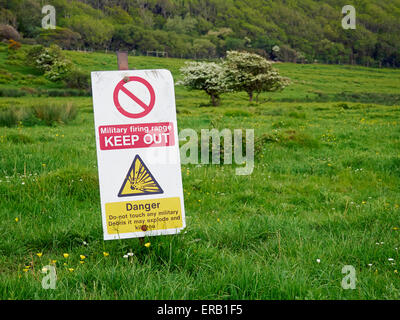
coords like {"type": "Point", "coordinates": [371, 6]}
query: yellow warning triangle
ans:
{"type": "Point", "coordinates": [139, 181]}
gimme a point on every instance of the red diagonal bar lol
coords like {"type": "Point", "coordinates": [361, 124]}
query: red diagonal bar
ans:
{"type": "Point", "coordinates": [134, 98]}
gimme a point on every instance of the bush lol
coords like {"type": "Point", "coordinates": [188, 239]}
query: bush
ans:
{"type": "Point", "coordinates": [49, 61]}
{"type": "Point", "coordinates": [43, 58]}
{"type": "Point", "coordinates": [77, 79]}
{"type": "Point", "coordinates": [58, 71]}
{"type": "Point", "coordinates": [39, 114]}
{"type": "Point", "coordinates": [55, 113]}
{"type": "Point", "coordinates": [63, 37]}
{"type": "Point", "coordinates": [10, 92]}
{"type": "Point", "coordinates": [14, 45]}
{"type": "Point", "coordinates": [8, 117]}
{"type": "Point", "coordinates": [8, 32]}
{"type": "Point", "coordinates": [33, 54]}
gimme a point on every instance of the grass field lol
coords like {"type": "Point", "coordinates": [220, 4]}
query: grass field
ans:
{"type": "Point", "coordinates": [325, 186]}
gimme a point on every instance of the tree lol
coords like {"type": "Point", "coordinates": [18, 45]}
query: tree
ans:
{"type": "Point", "coordinates": [118, 15]}
{"type": "Point", "coordinates": [7, 17]}
{"type": "Point", "coordinates": [251, 73]}
{"type": "Point", "coordinates": [28, 15]}
{"type": "Point", "coordinates": [204, 48]}
{"type": "Point", "coordinates": [207, 76]}
{"type": "Point", "coordinates": [95, 33]}
{"type": "Point", "coordinates": [179, 25]}
{"type": "Point", "coordinates": [234, 43]}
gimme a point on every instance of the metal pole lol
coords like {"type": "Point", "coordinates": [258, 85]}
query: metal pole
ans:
{"type": "Point", "coordinates": [122, 58]}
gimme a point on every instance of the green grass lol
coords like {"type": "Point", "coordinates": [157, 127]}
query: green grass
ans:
{"type": "Point", "coordinates": [326, 185]}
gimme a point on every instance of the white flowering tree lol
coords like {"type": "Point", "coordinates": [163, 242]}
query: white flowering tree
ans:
{"type": "Point", "coordinates": [252, 73]}
{"type": "Point", "coordinates": [207, 76]}
{"type": "Point", "coordinates": [50, 61]}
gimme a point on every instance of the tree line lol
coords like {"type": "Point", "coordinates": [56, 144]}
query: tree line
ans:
{"type": "Point", "coordinates": [303, 31]}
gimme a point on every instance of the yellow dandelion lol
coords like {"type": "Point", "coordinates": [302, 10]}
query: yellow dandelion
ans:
{"type": "Point", "coordinates": [82, 257]}
{"type": "Point", "coordinates": [71, 269]}
{"type": "Point", "coordinates": [147, 244]}
{"type": "Point", "coordinates": [54, 261]}
{"type": "Point", "coordinates": [81, 262]}
{"type": "Point", "coordinates": [218, 220]}
{"type": "Point", "coordinates": [106, 254]}
{"type": "Point", "coordinates": [65, 264]}
{"type": "Point", "coordinates": [395, 271]}
{"type": "Point", "coordinates": [16, 219]}
{"type": "Point", "coordinates": [66, 255]}
{"type": "Point", "coordinates": [395, 228]}
{"type": "Point", "coordinates": [39, 254]}
{"type": "Point", "coordinates": [364, 202]}
{"type": "Point", "coordinates": [25, 270]}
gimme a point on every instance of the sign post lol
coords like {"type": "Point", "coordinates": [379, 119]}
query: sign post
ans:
{"type": "Point", "coordinates": [138, 152]}
{"type": "Point", "coordinates": [122, 60]}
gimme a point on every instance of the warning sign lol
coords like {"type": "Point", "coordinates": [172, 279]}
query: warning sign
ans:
{"type": "Point", "coordinates": [136, 136]}
{"type": "Point", "coordinates": [139, 216]}
{"type": "Point", "coordinates": [138, 153]}
{"type": "Point", "coordinates": [136, 98]}
{"type": "Point", "coordinates": [139, 181]}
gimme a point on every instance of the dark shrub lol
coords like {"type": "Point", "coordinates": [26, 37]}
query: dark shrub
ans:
{"type": "Point", "coordinates": [8, 32]}
{"type": "Point", "coordinates": [77, 79]}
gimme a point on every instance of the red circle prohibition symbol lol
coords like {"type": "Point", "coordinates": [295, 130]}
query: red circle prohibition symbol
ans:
{"type": "Point", "coordinates": [146, 108]}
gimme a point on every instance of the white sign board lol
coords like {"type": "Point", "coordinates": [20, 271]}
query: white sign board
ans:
{"type": "Point", "coordinates": [138, 153]}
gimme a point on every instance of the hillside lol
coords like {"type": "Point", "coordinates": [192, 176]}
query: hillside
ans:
{"type": "Point", "coordinates": [310, 83]}
{"type": "Point", "coordinates": [305, 30]}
